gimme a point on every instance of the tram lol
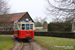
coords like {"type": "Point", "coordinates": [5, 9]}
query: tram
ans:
{"type": "Point", "coordinates": [24, 30]}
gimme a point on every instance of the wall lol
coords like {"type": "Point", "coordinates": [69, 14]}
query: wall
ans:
{"type": "Point", "coordinates": [26, 16]}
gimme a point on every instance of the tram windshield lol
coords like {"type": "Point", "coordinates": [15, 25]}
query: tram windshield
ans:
{"type": "Point", "coordinates": [26, 27]}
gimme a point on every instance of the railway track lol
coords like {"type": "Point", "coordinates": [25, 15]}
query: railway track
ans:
{"type": "Point", "coordinates": [27, 44]}
{"type": "Point", "coordinates": [22, 44]}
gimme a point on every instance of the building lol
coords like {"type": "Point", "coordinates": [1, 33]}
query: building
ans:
{"type": "Point", "coordinates": [7, 21]}
{"type": "Point", "coordinates": [45, 28]}
{"type": "Point", "coordinates": [41, 29]}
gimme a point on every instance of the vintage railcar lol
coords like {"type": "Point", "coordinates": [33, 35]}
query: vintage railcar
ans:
{"type": "Point", "coordinates": [24, 30]}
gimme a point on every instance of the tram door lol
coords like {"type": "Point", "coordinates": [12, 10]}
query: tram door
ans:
{"type": "Point", "coordinates": [28, 34]}
{"type": "Point", "coordinates": [27, 26]}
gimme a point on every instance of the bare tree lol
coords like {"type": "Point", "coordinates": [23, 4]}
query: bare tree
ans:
{"type": "Point", "coordinates": [4, 19]}
{"type": "Point", "coordinates": [4, 8]}
{"type": "Point", "coordinates": [62, 10]}
{"type": "Point", "coordinates": [44, 23]}
{"type": "Point", "coordinates": [39, 21]}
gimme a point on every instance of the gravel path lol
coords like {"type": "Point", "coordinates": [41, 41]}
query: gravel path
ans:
{"type": "Point", "coordinates": [35, 45]}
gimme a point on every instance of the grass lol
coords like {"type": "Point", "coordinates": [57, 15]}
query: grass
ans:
{"type": "Point", "coordinates": [6, 43]}
{"type": "Point", "coordinates": [54, 43]}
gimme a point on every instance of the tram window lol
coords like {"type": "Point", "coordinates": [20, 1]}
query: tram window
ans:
{"type": "Point", "coordinates": [20, 27]}
{"type": "Point", "coordinates": [23, 26]}
{"type": "Point", "coordinates": [31, 26]}
{"type": "Point", "coordinates": [27, 26]}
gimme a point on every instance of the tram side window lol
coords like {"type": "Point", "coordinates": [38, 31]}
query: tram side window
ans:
{"type": "Point", "coordinates": [31, 26]}
{"type": "Point", "coordinates": [20, 27]}
{"type": "Point", "coordinates": [23, 26]}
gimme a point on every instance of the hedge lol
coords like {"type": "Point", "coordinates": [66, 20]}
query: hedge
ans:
{"type": "Point", "coordinates": [6, 32]}
{"type": "Point", "coordinates": [60, 27]}
{"type": "Point", "coordinates": [52, 34]}
{"type": "Point", "coordinates": [56, 34]}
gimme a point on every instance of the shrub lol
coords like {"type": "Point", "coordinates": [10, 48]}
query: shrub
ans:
{"type": "Point", "coordinates": [56, 34]}
{"type": "Point", "coordinates": [7, 32]}
{"type": "Point", "coordinates": [60, 27]}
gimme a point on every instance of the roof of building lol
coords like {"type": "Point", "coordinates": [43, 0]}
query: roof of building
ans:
{"type": "Point", "coordinates": [11, 17]}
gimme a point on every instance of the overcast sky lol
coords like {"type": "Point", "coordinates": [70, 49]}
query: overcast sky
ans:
{"type": "Point", "coordinates": [33, 7]}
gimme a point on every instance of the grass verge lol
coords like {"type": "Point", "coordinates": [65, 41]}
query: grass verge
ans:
{"type": "Point", "coordinates": [6, 43]}
{"type": "Point", "coordinates": [54, 43]}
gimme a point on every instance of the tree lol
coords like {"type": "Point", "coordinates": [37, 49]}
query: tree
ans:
{"type": "Point", "coordinates": [62, 10]}
{"type": "Point", "coordinates": [4, 9]}
{"type": "Point", "coordinates": [44, 23]}
{"type": "Point", "coordinates": [38, 24]}
{"type": "Point", "coordinates": [39, 21]}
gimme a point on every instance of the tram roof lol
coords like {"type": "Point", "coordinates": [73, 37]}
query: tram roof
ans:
{"type": "Point", "coordinates": [25, 23]}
